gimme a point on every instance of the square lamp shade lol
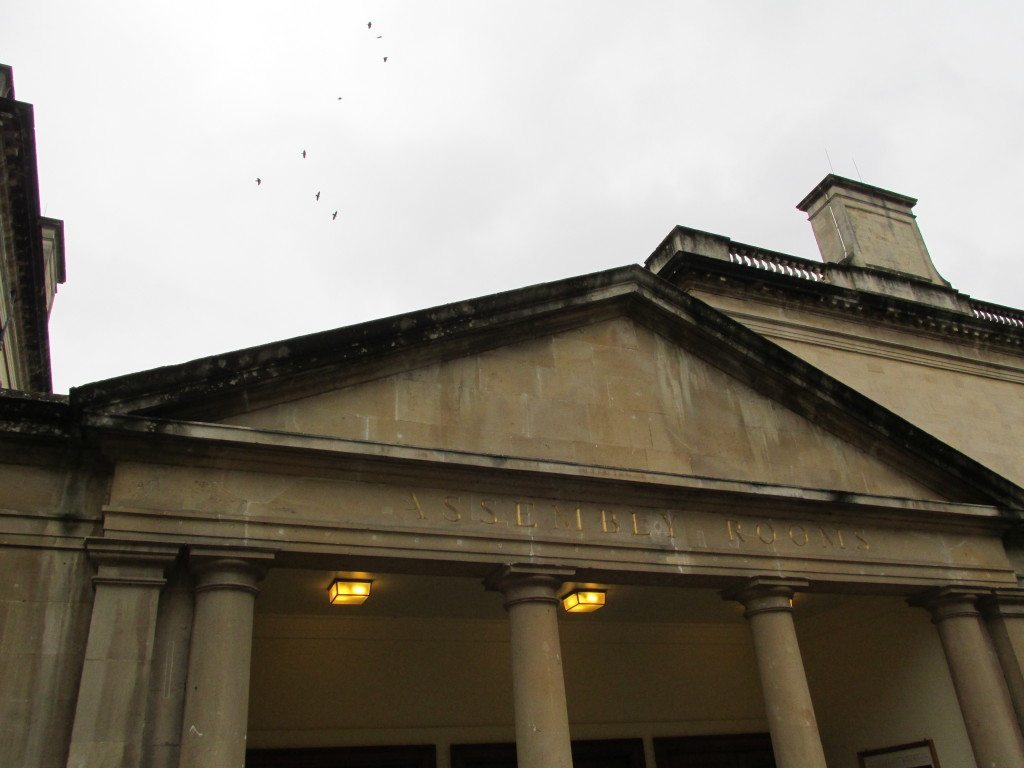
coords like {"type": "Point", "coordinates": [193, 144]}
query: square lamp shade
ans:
{"type": "Point", "coordinates": [583, 600]}
{"type": "Point", "coordinates": [348, 592]}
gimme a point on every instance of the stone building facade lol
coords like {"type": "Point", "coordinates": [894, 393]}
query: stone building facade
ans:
{"type": "Point", "coordinates": [31, 251]}
{"type": "Point", "coordinates": [795, 484]}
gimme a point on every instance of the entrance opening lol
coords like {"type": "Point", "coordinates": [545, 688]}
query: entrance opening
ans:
{"type": "Point", "coordinates": [598, 753]}
{"type": "Point", "coordinates": [344, 757]}
{"type": "Point", "coordinates": [427, 660]}
{"type": "Point", "coordinates": [750, 750]}
{"type": "Point", "coordinates": [745, 750]}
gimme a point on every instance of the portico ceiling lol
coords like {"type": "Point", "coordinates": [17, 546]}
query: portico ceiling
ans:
{"type": "Point", "coordinates": [293, 591]}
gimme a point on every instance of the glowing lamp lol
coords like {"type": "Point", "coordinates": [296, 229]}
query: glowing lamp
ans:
{"type": "Point", "coordinates": [347, 592]}
{"type": "Point", "coordinates": [583, 601]}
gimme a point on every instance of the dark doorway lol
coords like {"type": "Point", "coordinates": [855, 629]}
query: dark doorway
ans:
{"type": "Point", "coordinates": [745, 750]}
{"type": "Point", "coordinates": [602, 753]}
{"type": "Point", "coordinates": [343, 757]}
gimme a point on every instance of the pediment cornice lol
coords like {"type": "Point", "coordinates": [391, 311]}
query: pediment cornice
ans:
{"type": "Point", "coordinates": [213, 388]}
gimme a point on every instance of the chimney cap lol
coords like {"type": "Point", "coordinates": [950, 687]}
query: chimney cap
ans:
{"type": "Point", "coordinates": [832, 180]}
{"type": "Point", "coordinates": [6, 81]}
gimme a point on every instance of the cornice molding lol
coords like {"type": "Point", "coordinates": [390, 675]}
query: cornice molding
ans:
{"type": "Point", "coordinates": [688, 270]}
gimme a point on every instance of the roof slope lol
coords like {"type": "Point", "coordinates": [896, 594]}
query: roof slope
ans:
{"type": "Point", "coordinates": [703, 383]}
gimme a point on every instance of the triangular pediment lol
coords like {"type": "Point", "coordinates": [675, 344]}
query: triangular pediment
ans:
{"type": "Point", "coordinates": [611, 393]}
{"type": "Point", "coordinates": [617, 369]}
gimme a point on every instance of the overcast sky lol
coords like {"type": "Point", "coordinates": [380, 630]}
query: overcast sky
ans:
{"type": "Point", "coordinates": [502, 144]}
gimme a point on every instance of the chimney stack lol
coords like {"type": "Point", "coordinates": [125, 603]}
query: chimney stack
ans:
{"type": "Point", "coordinates": [858, 225]}
{"type": "Point", "coordinates": [6, 82]}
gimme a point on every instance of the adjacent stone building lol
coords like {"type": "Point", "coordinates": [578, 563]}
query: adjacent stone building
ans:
{"type": "Point", "coordinates": [31, 251]}
{"type": "Point", "coordinates": [794, 485]}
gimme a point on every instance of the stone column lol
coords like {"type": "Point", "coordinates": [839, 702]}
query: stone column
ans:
{"type": "Point", "coordinates": [213, 729]}
{"type": "Point", "coordinates": [977, 678]}
{"type": "Point", "coordinates": [787, 699]}
{"type": "Point", "coordinates": [110, 713]}
{"type": "Point", "coordinates": [170, 665]}
{"type": "Point", "coordinates": [1004, 613]}
{"type": "Point", "coordinates": [542, 720]}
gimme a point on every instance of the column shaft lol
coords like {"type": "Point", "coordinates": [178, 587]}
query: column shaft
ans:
{"type": "Point", "coordinates": [170, 667]}
{"type": "Point", "coordinates": [787, 699]}
{"type": "Point", "coordinates": [217, 692]}
{"type": "Point", "coordinates": [542, 719]}
{"type": "Point", "coordinates": [110, 712]}
{"type": "Point", "coordinates": [1004, 613]}
{"type": "Point", "coordinates": [977, 678]}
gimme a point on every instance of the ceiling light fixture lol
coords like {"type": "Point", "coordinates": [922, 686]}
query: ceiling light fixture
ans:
{"type": "Point", "coordinates": [583, 600]}
{"type": "Point", "coordinates": [348, 592]}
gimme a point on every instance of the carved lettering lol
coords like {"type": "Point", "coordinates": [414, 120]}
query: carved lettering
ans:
{"type": "Point", "coordinates": [523, 518]}
{"type": "Point", "coordinates": [608, 522]}
{"type": "Point", "coordinates": [636, 527]}
{"type": "Point", "coordinates": [798, 535]}
{"type": "Point", "coordinates": [744, 533]}
{"type": "Point", "coordinates": [760, 530]}
{"type": "Point", "coordinates": [862, 542]}
{"type": "Point", "coordinates": [452, 513]}
{"type": "Point", "coordinates": [417, 507]}
{"type": "Point", "coordinates": [568, 520]}
{"type": "Point", "coordinates": [455, 508]}
{"type": "Point", "coordinates": [735, 530]}
{"type": "Point", "coordinates": [765, 531]}
{"type": "Point", "coordinates": [670, 524]}
{"type": "Point", "coordinates": [833, 539]}
{"type": "Point", "coordinates": [492, 517]}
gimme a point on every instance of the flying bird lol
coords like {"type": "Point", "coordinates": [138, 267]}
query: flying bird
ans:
{"type": "Point", "coordinates": [334, 216]}
{"type": "Point", "coordinates": [317, 195]}
{"type": "Point", "coordinates": [258, 181]}
{"type": "Point", "coordinates": [385, 59]}
{"type": "Point", "coordinates": [303, 154]}
{"type": "Point", "coordinates": [369, 24]}
{"type": "Point", "coordinates": [339, 98]}
{"type": "Point", "coordinates": [379, 36]}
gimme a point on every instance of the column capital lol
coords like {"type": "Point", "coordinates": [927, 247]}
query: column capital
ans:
{"type": "Point", "coordinates": [130, 563]}
{"type": "Point", "coordinates": [527, 583]}
{"type": "Point", "coordinates": [762, 594]}
{"type": "Point", "coordinates": [228, 567]}
{"type": "Point", "coordinates": [1002, 603]}
{"type": "Point", "coordinates": [948, 602]}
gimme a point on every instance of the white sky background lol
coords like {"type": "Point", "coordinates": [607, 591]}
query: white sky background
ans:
{"type": "Point", "coordinates": [502, 144]}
